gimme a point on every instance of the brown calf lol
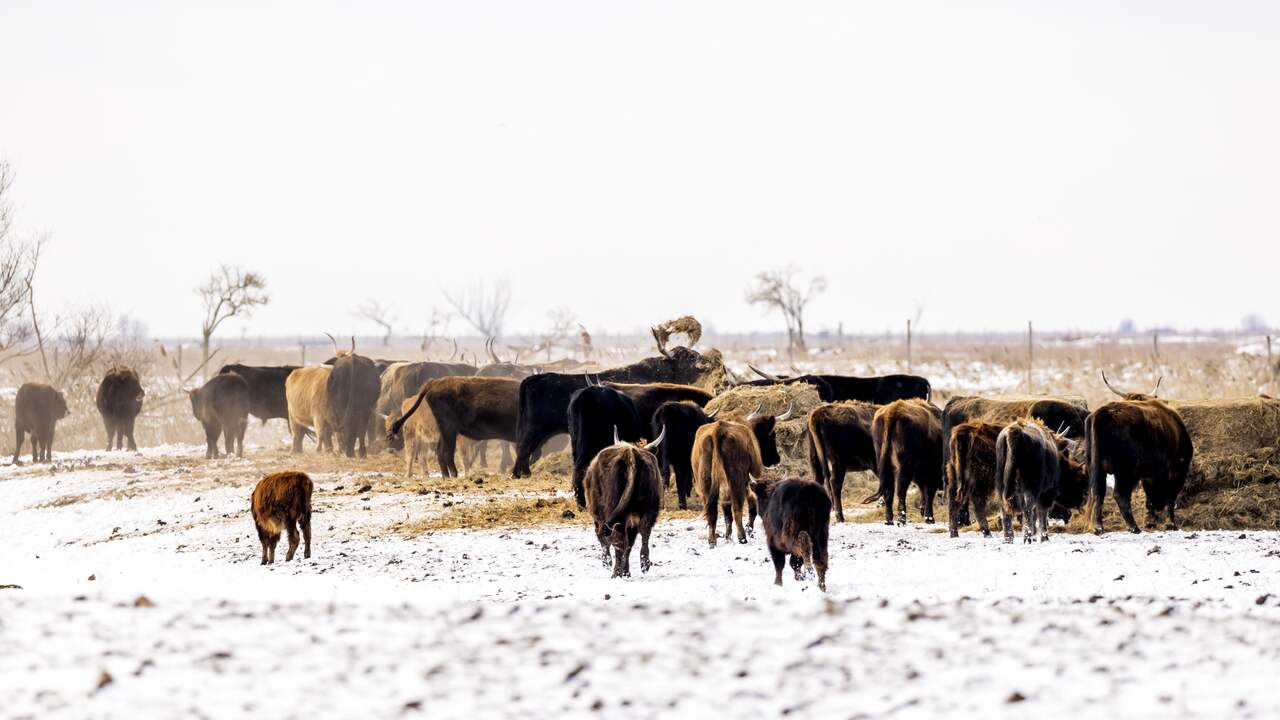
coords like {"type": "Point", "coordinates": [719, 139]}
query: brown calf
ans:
{"type": "Point", "coordinates": [36, 410]}
{"type": "Point", "coordinates": [282, 502]}
{"type": "Point", "coordinates": [724, 454]}
{"type": "Point", "coordinates": [908, 435]}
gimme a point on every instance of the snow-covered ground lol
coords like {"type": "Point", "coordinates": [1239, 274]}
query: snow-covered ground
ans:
{"type": "Point", "coordinates": [527, 623]}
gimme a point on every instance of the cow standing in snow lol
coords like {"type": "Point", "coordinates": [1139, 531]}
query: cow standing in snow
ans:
{"type": "Point", "coordinates": [624, 492]}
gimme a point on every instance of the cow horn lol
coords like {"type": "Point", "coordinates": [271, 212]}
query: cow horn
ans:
{"type": "Point", "coordinates": [353, 345]}
{"type": "Point", "coordinates": [616, 439]}
{"type": "Point", "coordinates": [453, 354]}
{"type": "Point", "coordinates": [658, 440]}
{"type": "Point", "coordinates": [1061, 429]}
{"type": "Point", "coordinates": [763, 374]}
{"type": "Point", "coordinates": [711, 414]}
{"type": "Point", "coordinates": [787, 415]}
{"type": "Point", "coordinates": [488, 346]}
{"type": "Point", "coordinates": [756, 411]}
{"type": "Point", "coordinates": [1109, 387]}
{"type": "Point", "coordinates": [587, 376]}
{"type": "Point", "coordinates": [1156, 389]}
{"type": "Point", "coordinates": [335, 344]}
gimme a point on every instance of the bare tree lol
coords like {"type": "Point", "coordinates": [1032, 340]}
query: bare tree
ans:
{"type": "Point", "coordinates": [483, 307]}
{"type": "Point", "coordinates": [437, 326]}
{"type": "Point", "coordinates": [778, 289]}
{"type": "Point", "coordinates": [562, 322]}
{"type": "Point", "coordinates": [230, 292]}
{"type": "Point", "coordinates": [380, 315]}
{"type": "Point", "coordinates": [19, 260]}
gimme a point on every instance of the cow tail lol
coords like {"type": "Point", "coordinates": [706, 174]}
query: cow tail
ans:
{"type": "Point", "coordinates": [1005, 461]}
{"type": "Point", "coordinates": [882, 457]}
{"type": "Point", "coordinates": [817, 454]}
{"type": "Point", "coordinates": [400, 421]}
{"type": "Point", "coordinates": [621, 508]}
{"type": "Point", "coordinates": [1097, 478]}
{"type": "Point", "coordinates": [718, 475]}
{"type": "Point", "coordinates": [805, 545]}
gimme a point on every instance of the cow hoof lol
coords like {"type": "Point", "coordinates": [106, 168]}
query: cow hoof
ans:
{"type": "Point", "coordinates": [742, 541]}
{"type": "Point", "coordinates": [1135, 530]}
{"type": "Point", "coordinates": [954, 534]}
{"type": "Point", "coordinates": [986, 533]}
{"type": "Point", "coordinates": [889, 523]}
{"type": "Point", "coordinates": [645, 565]}
{"type": "Point", "coordinates": [1044, 538]}
{"type": "Point", "coordinates": [928, 520]}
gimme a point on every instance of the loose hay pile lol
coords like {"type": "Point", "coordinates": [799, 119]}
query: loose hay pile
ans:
{"type": "Point", "coordinates": [739, 401]}
{"type": "Point", "coordinates": [1234, 481]}
{"type": "Point", "coordinates": [556, 463]}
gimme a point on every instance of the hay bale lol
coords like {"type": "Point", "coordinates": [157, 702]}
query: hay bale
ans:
{"type": "Point", "coordinates": [556, 463]}
{"type": "Point", "coordinates": [738, 402]}
{"type": "Point", "coordinates": [1231, 426]}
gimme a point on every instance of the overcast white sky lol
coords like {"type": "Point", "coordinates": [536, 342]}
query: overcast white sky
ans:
{"type": "Point", "coordinates": [1072, 163]}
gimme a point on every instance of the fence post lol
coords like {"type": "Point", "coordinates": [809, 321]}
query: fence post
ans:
{"type": "Point", "coordinates": [303, 346]}
{"type": "Point", "coordinates": [1029, 358]}
{"type": "Point", "coordinates": [908, 345]}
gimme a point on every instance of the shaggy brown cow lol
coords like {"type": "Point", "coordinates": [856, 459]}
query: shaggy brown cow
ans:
{"type": "Point", "coordinates": [307, 391]}
{"type": "Point", "coordinates": [796, 515]}
{"type": "Point", "coordinates": [624, 492]}
{"type": "Point", "coordinates": [840, 440]}
{"type": "Point", "coordinates": [971, 472]}
{"type": "Point", "coordinates": [417, 435]}
{"type": "Point", "coordinates": [1138, 439]}
{"type": "Point", "coordinates": [222, 407]}
{"type": "Point", "coordinates": [474, 407]}
{"type": "Point", "coordinates": [119, 401]}
{"type": "Point", "coordinates": [282, 502]}
{"type": "Point", "coordinates": [908, 437]}
{"type": "Point", "coordinates": [36, 410]}
{"type": "Point", "coordinates": [724, 454]}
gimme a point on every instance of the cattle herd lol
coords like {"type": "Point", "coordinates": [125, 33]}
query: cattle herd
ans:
{"type": "Point", "coordinates": [632, 429]}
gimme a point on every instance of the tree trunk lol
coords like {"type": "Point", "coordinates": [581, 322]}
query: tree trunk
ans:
{"type": "Point", "coordinates": [204, 357]}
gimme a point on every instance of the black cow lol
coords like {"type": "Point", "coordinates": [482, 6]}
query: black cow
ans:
{"type": "Point", "coordinates": [1027, 477]}
{"type": "Point", "coordinates": [625, 495]}
{"type": "Point", "coordinates": [222, 407]}
{"type": "Point", "coordinates": [266, 388]}
{"type": "Point", "coordinates": [681, 421]}
{"type": "Point", "coordinates": [796, 515]}
{"type": "Point", "coordinates": [880, 389]}
{"type": "Point", "coordinates": [544, 398]}
{"type": "Point", "coordinates": [119, 401]}
{"type": "Point", "coordinates": [596, 416]}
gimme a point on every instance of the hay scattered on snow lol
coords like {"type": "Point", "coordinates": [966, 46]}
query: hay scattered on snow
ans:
{"type": "Point", "coordinates": [738, 402]}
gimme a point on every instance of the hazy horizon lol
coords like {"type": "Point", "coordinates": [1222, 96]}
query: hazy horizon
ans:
{"type": "Point", "coordinates": [1074, 166]}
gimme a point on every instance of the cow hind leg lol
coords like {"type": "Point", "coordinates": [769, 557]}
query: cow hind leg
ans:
{"type": "Point", "coordinates": [779, 560]}
{"type": "Point", "coordinates": [903, 485]}
{"type": "Point", "coordinates": [926, 502]}
{"type": "Point", "coordinates": [835, 487]}
{"type": "Point", "coordinates": [1030, 506]}
{"type": "Point", "coordinates": [1006, 520]}
{"type": "Point", "coordinates": [645, 563]}
{"type": "Point", "coordinates": [797, 566]}
{"type": "Point", "coordinates": [305, 522]}
{"type": "Point", "coordinates": [17, 446]}
{"type": "Point", "coordinates": [291, 525]}
{"type": "Point", "coordinates": [128, 431]}
{"type": "Point", "coordinates": [711, 506]}
{"type": "Point", "coordinates": [727, 509]}
{"type": "Point", "coordinates": [980, 509]}
{"type": "Point", "coordinates": [738, 511]}
{"type": "Point", "coordinates": [1123, 495]}
{"type": "Point", "coordinates": [272, 540]}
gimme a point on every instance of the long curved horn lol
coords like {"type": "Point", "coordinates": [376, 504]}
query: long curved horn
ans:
{"type": "Point", "coordinates": [1061, 428]}
{"type": "Point", "coordinates": [710, 415]}
{"type": "Point", "coordinates": [616, 440]}
{"type": "Point", "coordinates": [1109, 387]}
{"type": "Point", "coordinates": [1155, 389]}
{"type": "Point", "coordinates": [755, 412]}
{"type": "Point", "coordinates": [453, 354]}
{"type": "Point", "coordinates": [488, 346]}
{"type": "Point", "coordinates": [335, 344]}
{"type": "Point", "coordinates": [353, 345]}
{"type": "Point", "coordinates": [763, 374]}
{"type": "Point", "coordinates": [588, 378]}
{"type": "Point", "coordinates": [658, 440]}
{"type": "Point", "coordinates": [787, 415]}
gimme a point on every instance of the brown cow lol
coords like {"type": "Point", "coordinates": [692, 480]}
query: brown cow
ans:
{"type": "Point", "coordinates": [307, 392]}
{"type": "Point", "coordinates": [840, 440]}
{"type": "Point", "coordinates": [908, 436]}
{"type": "Point", "coordinates": [725, 453]}
{"type": "Point", "coordinates": [1138, 439]}
{"type": "Point", "coordinates": [478, 408]}
{"type": "Point", "coordinates": [222, 407]}
{"type": "Point", "coordinates": [971, 472]}
{"type": "Point", "coordinates": [282, 502]}
{"type": "Point", "coordinates": [36, 410]}
{"type": "Point", "coordinates": [624, 492]}
{"type": "Point", "coordinates": [417, 435]}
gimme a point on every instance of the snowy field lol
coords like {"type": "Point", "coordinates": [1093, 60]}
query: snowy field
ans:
{"type": "Point", "coordinates": [141, 596]}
